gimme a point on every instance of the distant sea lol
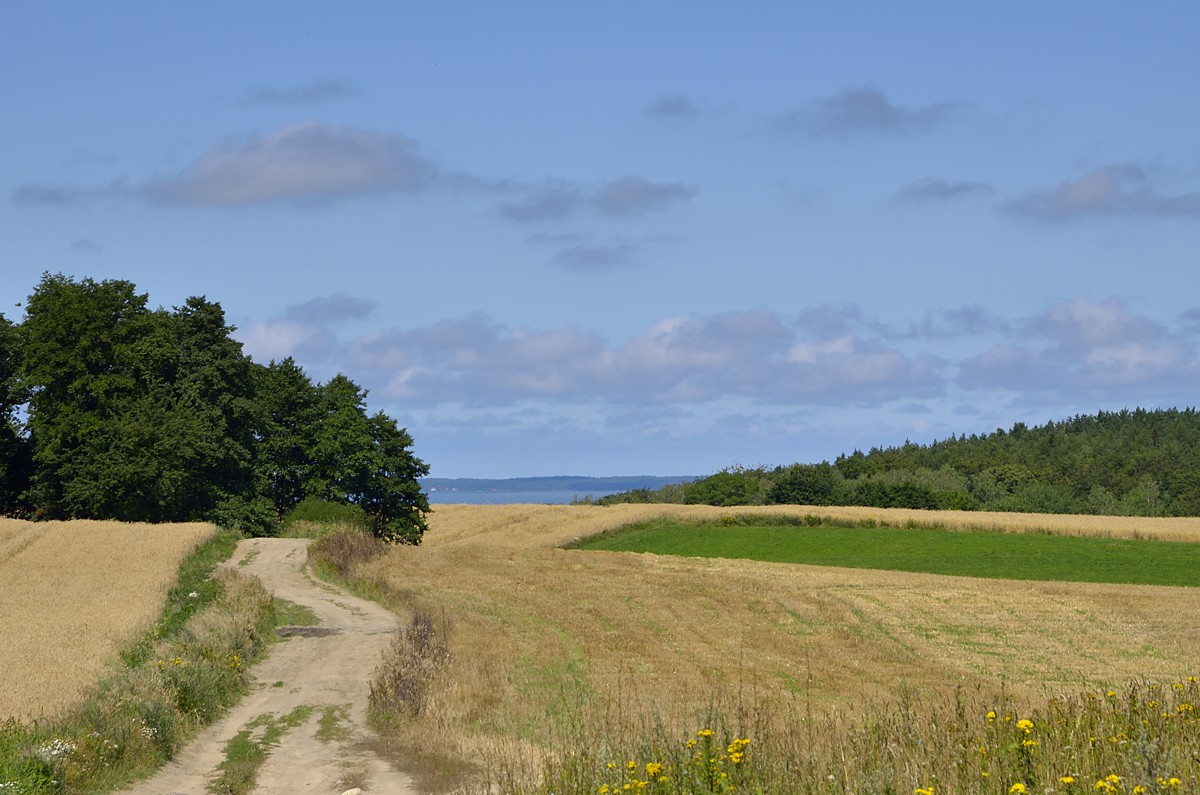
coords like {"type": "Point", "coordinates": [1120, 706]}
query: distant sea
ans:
{"type": "Point", "coordinates": [510, 497]}
{"type": "Point", "coordinates": [551, 489]}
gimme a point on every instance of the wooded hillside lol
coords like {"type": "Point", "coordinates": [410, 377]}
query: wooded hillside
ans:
{"type": "Point", "coordinates": [1135, 463]}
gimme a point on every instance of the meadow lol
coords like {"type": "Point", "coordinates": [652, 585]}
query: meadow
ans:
{"type": "Point", "coordinates": [567, 665]}
{"type": "Point", "coordinates": [993, 555]}
{"type": "Point", "coordinates": [73, 594]}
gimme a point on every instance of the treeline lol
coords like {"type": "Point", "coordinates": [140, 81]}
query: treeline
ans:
{"type": "Point", "coordinates": [112, 410]}
{"type": "Point", "coordinates": [1132, 463]}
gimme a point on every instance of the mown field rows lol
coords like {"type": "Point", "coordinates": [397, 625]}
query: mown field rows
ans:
{"type": "Point", "coordinates": [71, 594]}
{"type": "Point", "coordinates": [543, 635]}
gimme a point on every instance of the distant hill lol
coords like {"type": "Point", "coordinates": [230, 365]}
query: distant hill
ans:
{"type": "Point", "coordinates": [573, 483]}
{"type": "Point", "coordinates": [1125, 463]}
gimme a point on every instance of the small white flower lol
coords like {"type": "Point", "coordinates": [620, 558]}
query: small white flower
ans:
{"type": "Point", "coordinates": [193, 595]}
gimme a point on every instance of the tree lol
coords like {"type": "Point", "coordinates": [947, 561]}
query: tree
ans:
{"type": "Point", "coordinates": [806, 484]}
{"type": "Point", "coordinates": [15, 452]}
{"type": "Point", "coordinates": [74, 339]}
{"type": "Point", "coordinates": [290, 414]}
{"type": "Point", "coordinates": [728, 487]}
{"type": "Point", "coordinates": [317, 442]}
{"type": "Point", "coordinates": [135, 414]}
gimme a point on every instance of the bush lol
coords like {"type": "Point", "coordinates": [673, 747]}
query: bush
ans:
{"type": "Point", "coordinates": [400, 687]}
{"type": "Point", "coordinates": [254, 517]}
{"type": "Point", "coordinates": [342, 552]}
{"type": "Point", "coordinates": [726, 488]}
{"type": "Point", "coordinates": [313, 510]}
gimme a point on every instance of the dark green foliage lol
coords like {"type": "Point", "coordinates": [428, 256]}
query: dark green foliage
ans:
{"type": "Point", "coordinates": [1133, 463]}
{"type": "Point", "coordinates": [318, 511]}
{"type": "Point", "coordinates": [728, 487]}
{"type": "Point", "coordinates": [805, 484]}
{"type": "Point", "coordinates": [16, 462]}
{"type": "Point", "coordinates": [152, 415]}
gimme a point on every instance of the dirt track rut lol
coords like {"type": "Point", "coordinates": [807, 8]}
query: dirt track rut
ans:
{"type": "Point", "coordinates": [327, 668]}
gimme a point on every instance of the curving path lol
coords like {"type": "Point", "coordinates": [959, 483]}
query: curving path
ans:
{"type": "Point", "coordinates": [328, 668]}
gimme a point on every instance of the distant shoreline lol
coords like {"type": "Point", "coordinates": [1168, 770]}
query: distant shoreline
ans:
{"type": "Point", "coordinates": [577, 484]}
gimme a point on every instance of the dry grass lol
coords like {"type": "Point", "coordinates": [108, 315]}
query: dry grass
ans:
{"type": "Point", "coordinates": [545, 636]}
{"type": "Point", "coordinates": [72, 594]}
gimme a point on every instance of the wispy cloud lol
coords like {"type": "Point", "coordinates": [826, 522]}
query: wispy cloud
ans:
{"type": "Point", "coordinates": [627, 197]}
{"type": "Point", "coordinates": [66, 195]}
{"type": "Point", "coordinates": [548, 202]}
{"type": "Point", "coordinates": [1116, 189]}
{"type": "Point", "coordinates": [859, 112]}
{"type": "Point", "coordinates": [335, 309]}
{"type": "Point", "coordinates": [932, 189]}
{"type": "Point", "coordinates": [83, 245]}
{"type": "Point", "coordinates": [325, 89]}
{"type": "Point", "coordinates": [632, 196]}
{"type": "Point", "coordinates": [672, 106]}
{"type": "Point", "coordinates": [589, 257]}
{"type": "Point", "coordinates": [304, 163]}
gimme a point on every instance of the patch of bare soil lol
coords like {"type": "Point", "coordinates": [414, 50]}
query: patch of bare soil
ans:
{"type": "Point", "coordinates": [326, 667]}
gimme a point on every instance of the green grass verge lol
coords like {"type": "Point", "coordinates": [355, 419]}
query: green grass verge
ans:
{"type": "Point", "coordinates": [1010, 556]}
{"type": "Point", "coordinates": [184, 673]}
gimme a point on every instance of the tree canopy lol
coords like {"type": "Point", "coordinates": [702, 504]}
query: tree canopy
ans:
{"type": "Point", "coordinates": [143, 414]}
{"type": "Point", "coordinates": [1128, 462]}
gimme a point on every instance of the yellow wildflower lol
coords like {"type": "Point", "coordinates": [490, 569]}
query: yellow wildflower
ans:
{"type": "Point", "coordinates": [1066, 779]}
{"type": "Point", "coordinates": [1017, 789]}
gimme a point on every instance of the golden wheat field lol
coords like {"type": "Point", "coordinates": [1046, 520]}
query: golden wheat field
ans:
{"type": "Point", "coordinates": [71, 593]}
{"type": "Point", "coordinates": [539, 631]}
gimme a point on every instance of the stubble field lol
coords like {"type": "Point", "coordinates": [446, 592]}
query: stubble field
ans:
{"type": "Point", "coordinates": [543, 637]}
{"type": "Point", "coordinates": [71, 594]}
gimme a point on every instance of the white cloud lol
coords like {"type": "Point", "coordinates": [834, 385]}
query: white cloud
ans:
{"type": "Point", "coordinates": [1086, 350]}
{"type": "Point", "coordinates": [629, 196]}
{"type": "Point", "coordinates": [1117, 189]}
{"type": "Point", "coordinates": [856, 112]}
{"type": "Point", "coordinates": [307, 162]}
{"type": "Point", "coordinates": [267, 340]}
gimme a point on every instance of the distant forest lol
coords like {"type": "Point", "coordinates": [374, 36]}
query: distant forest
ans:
{"type": "Point", "coordinates": [1128, 463]}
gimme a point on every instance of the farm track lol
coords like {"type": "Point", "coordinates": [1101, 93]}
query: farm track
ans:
{"type": "Point", "coordinates": [327, 669]}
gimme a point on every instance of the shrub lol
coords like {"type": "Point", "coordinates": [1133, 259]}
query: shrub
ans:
{"type": "Point", "coordinates": [342, 552]}
{"type": "Point", "coordinates": [255, 517]}
{"type": "Point", "coordinates": [400, 687]}
{"type": "Point", "coordinates": [325, 513]}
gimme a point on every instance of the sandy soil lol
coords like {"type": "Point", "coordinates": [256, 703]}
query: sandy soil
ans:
{"type": "Point", "coordinates": [329, 668]}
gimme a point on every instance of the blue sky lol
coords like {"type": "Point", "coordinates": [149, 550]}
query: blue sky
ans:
{"type": "Point", "coordinates": [635, 238]}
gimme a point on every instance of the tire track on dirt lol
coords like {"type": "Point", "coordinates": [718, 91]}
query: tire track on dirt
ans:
{"type": "Point", "coordinates": [327, 669]}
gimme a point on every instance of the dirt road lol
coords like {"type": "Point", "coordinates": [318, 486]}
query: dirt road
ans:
{"type": "Point", "coordinates": [325, 667]}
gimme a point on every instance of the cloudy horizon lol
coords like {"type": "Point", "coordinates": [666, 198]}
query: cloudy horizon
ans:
{"type": "Point", "coordinates": [557, 240]}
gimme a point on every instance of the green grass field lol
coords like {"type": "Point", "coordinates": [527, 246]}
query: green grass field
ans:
{"type": "Point", "coordinates": [1013, 556]}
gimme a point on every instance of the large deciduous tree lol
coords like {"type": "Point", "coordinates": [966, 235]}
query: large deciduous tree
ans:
{"type": "Point", "coordinates": [15, 463]}
{"type": "Point", "coordinates": [155, 415]}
